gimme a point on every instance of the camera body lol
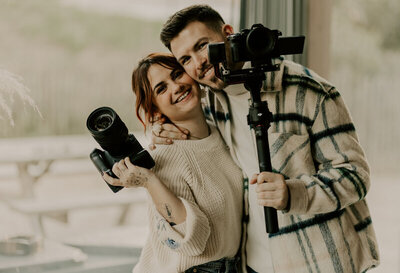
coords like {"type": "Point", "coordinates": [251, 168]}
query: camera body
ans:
{"type": "Point", "coordinates": [253, 44]}
{"type": "Point", "coordinates": [112, 135]}
{"type": "Point", "coordinates": [259, 45]}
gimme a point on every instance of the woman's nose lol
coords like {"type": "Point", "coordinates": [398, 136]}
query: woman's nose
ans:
{"type": "Point", "coordinates": [177, 87]}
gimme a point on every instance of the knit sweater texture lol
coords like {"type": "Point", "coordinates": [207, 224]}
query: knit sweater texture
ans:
{"type": "Point", "coordinates": [313, 144]}
{"type": "Point", "coordinates": [203, 175]}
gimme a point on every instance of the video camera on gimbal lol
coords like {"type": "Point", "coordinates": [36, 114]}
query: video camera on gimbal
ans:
{"type": "Point", "coordinates": [259, 46]}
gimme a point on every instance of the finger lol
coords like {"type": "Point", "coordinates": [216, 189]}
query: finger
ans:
{"type": "Point", "coordinates": [111, 180]}
{"type": "Point", "coordinates": [175, 128]}
{"type": "Point", "coordinates": [122, 166]}
{"type": "Point", "coordinates": [253, 179]}
{"type": "Point", "coordinates": [156, 117]}
{"type": "Point", "coordinates": [265, 177]}
{"type": "Point", "coordinates": [152, 147]}
{"type": "Point", "coordinates": [128, 163]}
{"type": "Point", "coordinates": [115, 169]}
{"type": "Point", "coordinates": [173, 131]}
{"type": "Point", "coordinates": [265, 187]}
{"type": "Point", "coordinates": [161, 140]}
{"type": "Point", "coordinates": [156, 129]}
{"type": "Point", "coordinates": [172, 134]}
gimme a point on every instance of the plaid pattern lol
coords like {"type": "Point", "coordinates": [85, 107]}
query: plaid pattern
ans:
{"type": "Point", "coordinates": [313, 143]}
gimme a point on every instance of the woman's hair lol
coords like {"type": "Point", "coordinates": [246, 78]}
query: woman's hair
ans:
{"type": "Point", "coordinates": [145, 102]}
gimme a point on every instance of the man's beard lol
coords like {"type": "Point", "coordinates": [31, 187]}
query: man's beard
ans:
{"type": "Point", "coordinates": [216, 83]}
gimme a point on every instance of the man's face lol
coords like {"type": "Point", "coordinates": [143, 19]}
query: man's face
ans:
{"type": "Point", "coordinates": [191, 51]}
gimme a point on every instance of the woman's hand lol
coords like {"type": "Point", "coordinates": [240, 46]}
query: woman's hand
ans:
{"type": "Point", "coordinates": [129, 175]}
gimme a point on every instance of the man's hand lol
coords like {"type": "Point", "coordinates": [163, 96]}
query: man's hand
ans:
{"type": "Point", "coordinates": [271, 190]}
{"type": "Point", "coordinates": [164, 133]}
{"type": "Point", "coordinates": [129, 175]}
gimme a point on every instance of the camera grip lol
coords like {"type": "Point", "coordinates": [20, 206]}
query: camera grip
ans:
{"type": "Point", "coordinates": [97, 157]}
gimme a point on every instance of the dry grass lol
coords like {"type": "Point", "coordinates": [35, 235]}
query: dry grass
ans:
{"type": "Point", "coordinates": [12, 89]}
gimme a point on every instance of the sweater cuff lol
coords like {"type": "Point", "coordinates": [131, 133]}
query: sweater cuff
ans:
{"type": "Point", "coordinates": [298, 196]}
{"type": "Point", "coordinates": [189, 237]}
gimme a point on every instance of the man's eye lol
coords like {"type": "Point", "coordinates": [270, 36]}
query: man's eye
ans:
{"type": "Point", "coordinates": [203, 45]}
{"type": "Point", "coordinates": [184, 61]}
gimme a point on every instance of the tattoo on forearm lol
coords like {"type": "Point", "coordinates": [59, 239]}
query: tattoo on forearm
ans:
{"type": "Point", "coordinates": [169, 214]}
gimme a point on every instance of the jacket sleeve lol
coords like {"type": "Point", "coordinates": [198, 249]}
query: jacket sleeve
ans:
{"type": "Point", "coordinates": [342, 172]}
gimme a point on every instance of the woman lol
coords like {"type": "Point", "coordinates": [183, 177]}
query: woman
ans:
{"type": "Point", "coordinates": [195, 187]}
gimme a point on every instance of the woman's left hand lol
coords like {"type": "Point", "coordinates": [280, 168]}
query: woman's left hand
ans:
{"type": "Point", "coordinates": [129, 175]}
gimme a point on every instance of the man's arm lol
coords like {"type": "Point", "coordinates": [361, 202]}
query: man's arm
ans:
{"type": "Point", "coordinates": [342, 173]}
{"type": "Point", "coordinates": [342, 176]}
{"type": "Point", "coordinates": [165, 133]}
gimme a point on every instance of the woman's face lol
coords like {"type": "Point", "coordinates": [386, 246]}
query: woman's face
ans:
{"type": "Point", "coordinates": [177, 95]}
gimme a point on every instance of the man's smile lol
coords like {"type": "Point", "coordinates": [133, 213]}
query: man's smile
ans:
{"type": "Point", "coordinates": [206, 72]}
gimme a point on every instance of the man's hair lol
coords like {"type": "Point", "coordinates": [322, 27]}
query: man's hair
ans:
{"type": "Point", "coordinates": [145, 101]}
{"type": "Point", "coordinates": [178, 21]}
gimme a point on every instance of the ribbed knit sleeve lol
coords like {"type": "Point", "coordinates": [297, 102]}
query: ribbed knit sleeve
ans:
{"type": "Point", "coordinates": [188, 238]}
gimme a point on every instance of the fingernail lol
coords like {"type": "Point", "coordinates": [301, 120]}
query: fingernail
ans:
{"type": "Point", "coordinates": [169, 141]}
{"type": "Point", "coordinates": [184, 136]}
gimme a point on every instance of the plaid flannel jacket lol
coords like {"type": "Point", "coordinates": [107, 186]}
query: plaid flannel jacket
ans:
{"type": "Point", "coordinates": [313, 144]}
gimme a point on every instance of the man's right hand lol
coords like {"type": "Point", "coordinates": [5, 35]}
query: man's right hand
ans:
{"type": "Point", "coordinates": [165, 133]}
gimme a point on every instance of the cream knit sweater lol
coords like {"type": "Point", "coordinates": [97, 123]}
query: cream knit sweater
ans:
{"type": "Point", "coordinates": [203, 175]}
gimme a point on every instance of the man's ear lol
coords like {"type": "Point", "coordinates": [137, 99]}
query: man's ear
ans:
{"type": "Point", "coordinates": [227, 30]}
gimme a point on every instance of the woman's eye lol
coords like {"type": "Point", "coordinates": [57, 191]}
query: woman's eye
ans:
{"type": "Point", "coordinates": [160, 90]}
{"type": "Point", "coordinates": [177, 74]}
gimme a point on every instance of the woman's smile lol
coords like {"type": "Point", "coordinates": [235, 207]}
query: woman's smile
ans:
{"type": "Point", "coordinates": [185, 96]}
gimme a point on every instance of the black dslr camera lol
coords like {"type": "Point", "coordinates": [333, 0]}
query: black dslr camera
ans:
{"type": "Point", "coordinates": [112, 135]}
{"type": "Point", "coordinates": [259, 45]}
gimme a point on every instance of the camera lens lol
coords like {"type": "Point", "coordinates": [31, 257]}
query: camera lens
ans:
{"type": "Point", "coordinates": [108, 130]}
{"type": "Point", "coordinates": [260, 41]}
{"type": "Point", "coordinates": [102, 122]}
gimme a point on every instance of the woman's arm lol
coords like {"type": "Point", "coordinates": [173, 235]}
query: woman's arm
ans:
{"type": "Point", "coordinates": [190, 234]}
{"type": "Point", "coordinates": [165, 201]}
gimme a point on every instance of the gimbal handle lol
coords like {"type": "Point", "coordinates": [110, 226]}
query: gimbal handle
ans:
{"type": "Point", "coordinates": [259, 119]}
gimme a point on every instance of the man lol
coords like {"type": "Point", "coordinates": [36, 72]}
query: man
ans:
{"type": "Point", "coordinates": [320, 175]}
